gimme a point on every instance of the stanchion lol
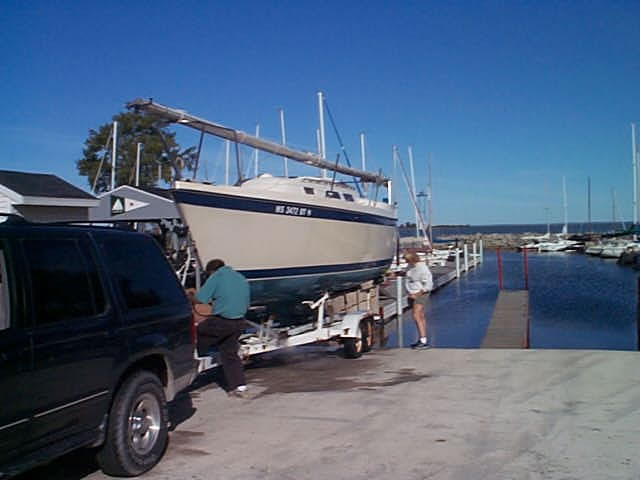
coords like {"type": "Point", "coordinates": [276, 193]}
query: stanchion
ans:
{"type": "Point", "coordinates": [499, 268]}
{"type": "Point", "coordinates": [457, 262]}
{"type": "Point", "coordinates": [399, 309]}
{"type": "Point", "coordinates": [474, 255]}
{"type": "Point", "coordinates": [466, 258]}
{"type": "Point", "coordinates": [481, 251]}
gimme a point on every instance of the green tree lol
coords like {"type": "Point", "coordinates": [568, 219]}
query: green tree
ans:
{"type": "Point", "coordinates": [160, 153]}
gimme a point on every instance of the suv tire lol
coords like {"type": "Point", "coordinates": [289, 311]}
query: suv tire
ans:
{"type": "Point", "coordinates": [137, 429]}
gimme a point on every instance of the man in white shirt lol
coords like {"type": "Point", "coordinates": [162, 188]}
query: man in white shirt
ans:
{"type": "Point", "coordinates": [418, 282]}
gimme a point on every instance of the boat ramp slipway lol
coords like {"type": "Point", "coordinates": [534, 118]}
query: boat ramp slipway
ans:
{"type": "Point", "coordinates": [437, 414]}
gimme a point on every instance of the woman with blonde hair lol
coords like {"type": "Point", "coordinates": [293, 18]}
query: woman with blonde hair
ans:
{"type": "Point", "coordinates": [418, 282]}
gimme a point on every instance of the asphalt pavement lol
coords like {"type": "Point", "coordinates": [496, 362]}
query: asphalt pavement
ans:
{"type": "Point", "coordinates": [397, 413]}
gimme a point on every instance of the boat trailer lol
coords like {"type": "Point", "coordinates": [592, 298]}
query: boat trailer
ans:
{"type": "Point", "coordinates": [347, 318]}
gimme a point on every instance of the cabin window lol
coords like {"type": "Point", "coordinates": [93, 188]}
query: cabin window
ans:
{"type": "Point", "coordinates": [348, 197]}
{"type": "Point", "coordinates": [332, 194]}
{"type": "Point", "coordinates": [309, 191]}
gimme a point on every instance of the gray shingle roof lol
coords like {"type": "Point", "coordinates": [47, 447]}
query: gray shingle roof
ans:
{"type": "Point", "coordinates": [40, 185]}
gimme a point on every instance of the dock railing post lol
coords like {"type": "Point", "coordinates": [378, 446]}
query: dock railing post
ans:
{"type": "Point", "coordinates": [466, 257]}
{"type": "Point", "coordinates": [457, 262]}
{"type": "Point", "coordinates": [475, 254]}
{"type": "Point", "coordinates": [481, 251]}
{"type": "Point", "coordinates": [499, 258]}
{"type": "Point", "coordinates": [399, 309]}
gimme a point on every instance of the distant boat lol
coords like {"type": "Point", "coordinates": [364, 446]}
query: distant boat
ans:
{"type": "Point", "coordinates": [616, 249]}
{"type": "Point", "coordinates": [595, 249]}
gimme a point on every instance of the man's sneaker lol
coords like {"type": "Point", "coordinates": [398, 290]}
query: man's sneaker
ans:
{"type": "Point", "coordinates": [420, 345]}
{"type": "Point", "coordinates": [239, 393]}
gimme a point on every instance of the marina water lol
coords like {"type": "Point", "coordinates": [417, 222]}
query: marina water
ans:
{"type": "Point", "coordinates": [575, 301]}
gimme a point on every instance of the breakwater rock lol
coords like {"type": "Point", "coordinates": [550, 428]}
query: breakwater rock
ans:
{"type": "Point", "coordinates": [489, 240]}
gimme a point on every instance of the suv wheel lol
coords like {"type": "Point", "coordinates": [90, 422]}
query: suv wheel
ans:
{"type": "Point", "coordinates": [137, 430]}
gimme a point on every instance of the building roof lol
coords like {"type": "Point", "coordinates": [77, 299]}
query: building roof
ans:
{"type": "Point", "coordinates": [161, 192]}
{"type": "Point", "coordinates": [40, 185]}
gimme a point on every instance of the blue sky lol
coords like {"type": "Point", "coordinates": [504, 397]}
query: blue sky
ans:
{"type": "Point", "coordinates": [508, 97]}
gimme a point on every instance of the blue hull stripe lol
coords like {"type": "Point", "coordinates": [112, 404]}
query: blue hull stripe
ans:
{"type": "Point", "coordinates": [231, 202]}
{"type": "Point", "coordinates": [313, 270]}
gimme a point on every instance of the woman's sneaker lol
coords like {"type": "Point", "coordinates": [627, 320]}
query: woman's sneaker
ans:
{"type": "Point", "coordinates": [420, 345]}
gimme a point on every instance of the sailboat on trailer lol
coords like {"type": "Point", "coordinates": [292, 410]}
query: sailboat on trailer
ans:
{"type": "Point", "coordinates": [293, 238]}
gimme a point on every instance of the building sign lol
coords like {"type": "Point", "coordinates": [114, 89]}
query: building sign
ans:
{"type": "Point", "coordinates": [122, 204]}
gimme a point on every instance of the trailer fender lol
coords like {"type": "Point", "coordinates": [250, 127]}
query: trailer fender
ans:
{"type": "Point", "coordinates": [350, 323]}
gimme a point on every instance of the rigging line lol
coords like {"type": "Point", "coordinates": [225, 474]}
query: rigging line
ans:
{"type": "Point", "coordinates": [344, 150]}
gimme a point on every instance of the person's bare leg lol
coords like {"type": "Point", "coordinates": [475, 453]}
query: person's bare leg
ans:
{"type": "Point", "coordinates": [418, 317]}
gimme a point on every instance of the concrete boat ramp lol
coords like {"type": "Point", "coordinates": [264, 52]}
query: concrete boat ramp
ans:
{"type": "Point", "coordinates": [402, 414]}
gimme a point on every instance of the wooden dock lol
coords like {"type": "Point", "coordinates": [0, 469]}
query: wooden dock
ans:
{"type": "Point", "coordinates": [509, 326]}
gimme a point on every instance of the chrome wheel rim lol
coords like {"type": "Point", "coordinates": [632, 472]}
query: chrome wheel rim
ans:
{"type": "Point", "coordinates": [144, 423]}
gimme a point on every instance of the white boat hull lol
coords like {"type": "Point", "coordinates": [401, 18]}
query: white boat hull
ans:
{"type": "Point", "coordinates": [289, 250]}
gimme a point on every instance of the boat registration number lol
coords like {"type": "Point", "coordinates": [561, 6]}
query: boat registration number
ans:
{"type": "Point", "coordinates": [297, 211]}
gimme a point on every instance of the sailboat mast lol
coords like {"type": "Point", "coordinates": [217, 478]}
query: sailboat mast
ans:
{"type": "Point", "coordinates": [589, 202]}
{"type": "Point", "coordinates": [430, 209]}
{"type": "Point", "coordinates": [363, 156]}
{"type": "Point", "coordinates": [284, 142]}
{"type": "Point", "coordinates": [565, 228]}
{"type": "Point", "coordinates": [413, 187]}
{"type": "Point", "coordinates": [634, 162]}
{"type": "Point", "coordinates": [114, 155]}
{"type": "Point", "coordinates": [323, 147]}
{"type": "Point", "coordinates": [255, 153]}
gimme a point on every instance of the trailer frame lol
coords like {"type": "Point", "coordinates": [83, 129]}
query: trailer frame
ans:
{"type": "Point", "coordinates": [336, 319]}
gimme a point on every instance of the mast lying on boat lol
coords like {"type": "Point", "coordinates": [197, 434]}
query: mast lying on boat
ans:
{"type": "Point", "coordinates": [202, 125]}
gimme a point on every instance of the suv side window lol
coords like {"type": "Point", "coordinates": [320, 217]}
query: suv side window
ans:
{"type": "Point", "coordinates": [5, 321]}
{"type": "Point", "coordinates": [64, 280]}
{"type": "Point", "coordinates": [140, 272]}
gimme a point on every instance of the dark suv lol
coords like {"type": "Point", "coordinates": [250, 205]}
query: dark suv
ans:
{"type": "Point", "coordinates": [96, 335]}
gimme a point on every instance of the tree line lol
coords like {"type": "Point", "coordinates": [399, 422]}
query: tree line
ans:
{"type": "Point", "coordinates": [161, 156]}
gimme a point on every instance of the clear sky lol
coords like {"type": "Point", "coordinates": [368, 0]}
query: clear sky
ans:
{"type": "Point", "coordinates": [507, 96]}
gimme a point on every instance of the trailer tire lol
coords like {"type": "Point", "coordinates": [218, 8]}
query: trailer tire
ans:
{"type": "Point", "coordinates": [355, 347]}
{"type": "Point", "coordinates": [352, 347]}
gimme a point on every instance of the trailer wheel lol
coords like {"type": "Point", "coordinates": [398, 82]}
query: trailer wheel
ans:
{"type": "Point", "coordinates": [352, 347]}
{"type": "Point", "coordinates": [355, 347]}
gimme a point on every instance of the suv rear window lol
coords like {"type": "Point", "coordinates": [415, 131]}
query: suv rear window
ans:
{"type": "Point", "coordinates": [64, 280]}
{"type": "Point", "coordinates": [143, 277]}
